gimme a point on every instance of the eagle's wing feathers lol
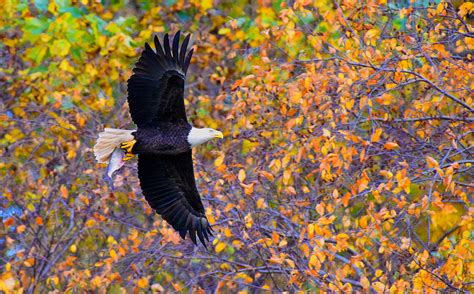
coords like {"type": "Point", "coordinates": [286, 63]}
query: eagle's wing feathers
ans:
{"type": "Point", "coordinates": [156, 95]}
{"type": "Point", "coordinates": [168, 183]}
{"type": "Point", "coordinates": [156, 88]}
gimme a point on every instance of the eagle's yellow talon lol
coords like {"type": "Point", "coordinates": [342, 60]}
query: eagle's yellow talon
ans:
{"type": "Point", "coordinates": [128, 146]}
{"type": "Point", "coordinates": [128, 156]}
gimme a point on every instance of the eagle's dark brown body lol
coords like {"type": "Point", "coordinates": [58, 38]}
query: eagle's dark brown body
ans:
{"type": "Point", "coordinates": [164, 138]}
{"type": "Point", "coordinates": [165, 163]}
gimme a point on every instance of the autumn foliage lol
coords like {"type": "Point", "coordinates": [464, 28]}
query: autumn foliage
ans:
{"type": "Point", "coordinates": [347, 163]}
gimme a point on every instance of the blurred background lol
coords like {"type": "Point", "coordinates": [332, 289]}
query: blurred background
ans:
{"type": "Point", "coordinates": [346, 163]}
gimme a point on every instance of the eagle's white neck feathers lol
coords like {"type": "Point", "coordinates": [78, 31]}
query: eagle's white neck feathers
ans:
{"type": "Point", "coordinates": [198, 136]}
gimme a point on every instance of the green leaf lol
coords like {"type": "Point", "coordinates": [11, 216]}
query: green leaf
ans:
{"type": "Point", "coordinates": [35, 26]}
{"type": "Point", "coordinates": [76, 53]}
{"type": "Point", "coordinates": [67, 104]}
{"type": "Point", "coordinates": [42, 5]}
{"type": "Point", "coordinates": [36, 54]}
{"type": "Point", "coordinates": [63, 5]}
{"type": "Point", "coordinates": [74, 11]}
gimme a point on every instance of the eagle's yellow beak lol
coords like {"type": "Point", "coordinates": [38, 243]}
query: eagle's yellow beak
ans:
{"type": "Point", "coordinates": [219, 135]}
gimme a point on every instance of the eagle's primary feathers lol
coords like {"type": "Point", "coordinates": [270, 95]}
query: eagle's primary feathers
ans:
{"type": "Point", "coordinates": [164, 137]}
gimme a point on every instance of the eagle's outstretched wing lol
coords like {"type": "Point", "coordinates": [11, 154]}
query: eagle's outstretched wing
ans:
{"type": "Point", "coordinates": [156, 88]}
{"type": "Point", "coordinates": [167, 181]}
{"type": "Point", "coordinates": [155, 96]}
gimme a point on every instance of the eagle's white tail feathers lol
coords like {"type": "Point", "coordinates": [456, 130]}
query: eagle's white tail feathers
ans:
{"type": "Point", "coordinates": [108, 140]}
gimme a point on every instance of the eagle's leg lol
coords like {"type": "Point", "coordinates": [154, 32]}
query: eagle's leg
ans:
{"type": "Point", "coordinates": [127, 147]}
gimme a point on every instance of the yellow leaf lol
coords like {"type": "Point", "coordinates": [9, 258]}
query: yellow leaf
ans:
{"type": "Point", "coordinates": [248, 221]}
{"type": "Point", "coordinates": [52, 8]}
{"type": "Point", "coordinates": [111, 240]}
{"type": "Point", "coordinates": [328, 221]}
{"type": "Point", "coordinates": [206, 4]}
{"type": "Point", "coordinates": [247, 146]}
{"type": "Point", "coordinates": [73, 248]}
{"type": "Point", "coordinates": [314, 263]}
{"type": "Point", "coordinates": [219, 160]}
{"type": "Point", "coordinates": [467, 9]}
{"type": "Point", "coordinates": [90, 223]}
{"type": "Point", "coordinates": [220, 246]}
{"type": "Point", "coordinates": [30, 207]}
{"type": "Point", "coordinates": [405, 64]}
{"type": "Point", "coordinates": [113, 253]}
{"type": "Point", "coordinates": [224, 31]}
{"type": "Point", "coordinates": [60, 47]}
{"type": "Point", "coordinates": [364, 221]}
{"type": "Point", "coordinates": [242, 175]}
{"type": "Point", "coordinates": [440, 8]}
{"type": "Point", "coordinates": [371, 33]}
{"type": "Point", "coordinates": [310, 231]}
{"type": "Point", "coordinates": [71, 154]}
{"type": "Point", "coordinates": [14, 135]}
{"type": "Point", "coordinates": [295, 98]}
{"type": "Point", "coordinates": [7, 283]}
{"type": "Point", "coordinates": [66, 66]}
{"type": "Point", "coordinates": [286, 176]}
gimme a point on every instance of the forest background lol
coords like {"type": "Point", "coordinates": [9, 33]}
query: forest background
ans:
{"type": "Point", "coordinates": [347, 162]}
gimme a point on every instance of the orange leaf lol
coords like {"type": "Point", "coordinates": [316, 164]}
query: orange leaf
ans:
{"type": "Point", "coordinates": [29, 262]}
{"type": "Point", "coordinates": [320, 208]}
{"type": "Point", "coordinates": [345, 199]}
{"type": "Point", "coordinates": [10, 221]}
{"type": "Point", "coordinates": [267, 175]}
{"type": "Point", "coordinates": [432, 163]}
{"type": "Point", "coordinates": [20, 229]}
{"type": "Point", "coordinates": [390, 145]}
{"type": "Point", "coordinates": [142, 283]}
{"type": "Point", "coordinates": [63, 191]}
{"type": "Point", "coordinates": [376, 135]}
{"type": "Point", "coordinates": [39, 220]}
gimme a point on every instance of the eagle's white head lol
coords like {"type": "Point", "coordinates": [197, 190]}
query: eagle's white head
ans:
{"type": "Point", "coordinates": [198, 136]}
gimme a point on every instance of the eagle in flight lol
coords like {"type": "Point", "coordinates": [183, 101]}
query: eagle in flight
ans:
{"type": "Point", "coordinates": [163, 139]}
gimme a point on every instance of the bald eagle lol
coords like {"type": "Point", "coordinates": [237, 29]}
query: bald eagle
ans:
{"type": "Point", "coordinates": [163, 138]}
